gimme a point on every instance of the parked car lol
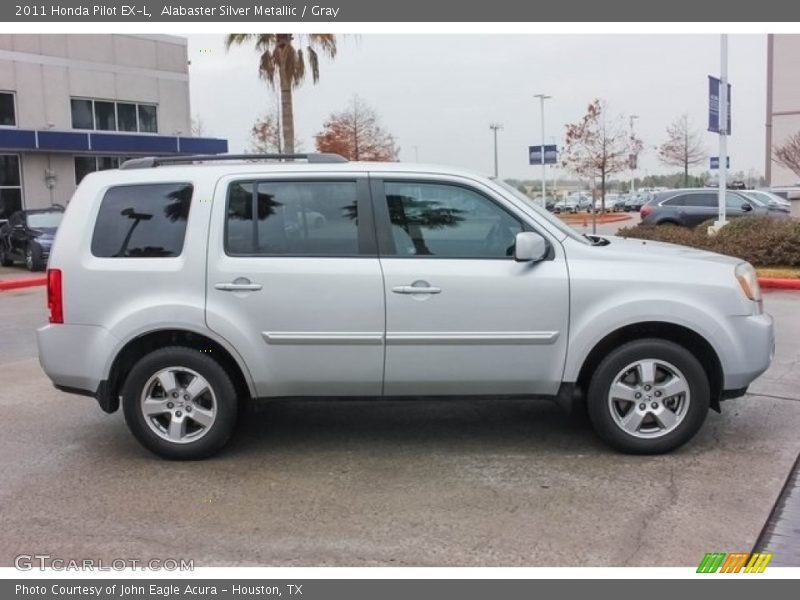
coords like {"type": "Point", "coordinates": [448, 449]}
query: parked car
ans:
{"type": "Point", "coordinates": [177, 289]}
{"type": "Point", "coordinates": [637, 201]}
{"type": "Point", "coordinates": [690, 207]}
{"type": "Point", "coordinates": [573, 203]}
{"type": "Point", "coordinates": [28, 236]}
{"type": "Point", "coordinates": [618, 205]}
{"type": "Point", "coordinates": [768, 199]}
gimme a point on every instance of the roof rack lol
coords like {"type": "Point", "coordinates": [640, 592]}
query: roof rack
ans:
{"type": "Point", "coordinates": [148, 162]}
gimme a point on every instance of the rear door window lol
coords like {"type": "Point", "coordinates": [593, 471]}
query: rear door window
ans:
{"type": "Point", "coordinates": [142, 221]}
{"type": "Point", "coordinates": [704, 199]}
{"type": "Point", "coordinates": [292, 218]}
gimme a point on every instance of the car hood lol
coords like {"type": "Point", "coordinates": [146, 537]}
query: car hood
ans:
{"type": "Point", "coordinates": [647, 249]}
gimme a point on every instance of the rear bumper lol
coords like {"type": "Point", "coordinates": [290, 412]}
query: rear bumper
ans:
{"type": "Point", "coordinates": [75, 357]}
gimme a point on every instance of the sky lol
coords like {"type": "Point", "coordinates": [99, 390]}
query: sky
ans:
{"type": "Point", "coordinates": [438, 93]}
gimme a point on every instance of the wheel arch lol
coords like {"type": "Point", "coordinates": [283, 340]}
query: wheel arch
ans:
{"type": "Point", "coordinates": [695, 343]}
{"type": "Point", "coordinates": [137, 347]}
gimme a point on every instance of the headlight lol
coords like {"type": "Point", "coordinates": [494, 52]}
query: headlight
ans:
{"type": "Point", "coordinates": [748, 281]}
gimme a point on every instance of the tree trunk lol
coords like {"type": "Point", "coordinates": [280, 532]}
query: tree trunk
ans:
{"type": "Point", "coordinates": [603, 193]}
{"type": "Point", "coordinates": [287, 113]}
{"type": "Point", "coordinates": [686, 173]}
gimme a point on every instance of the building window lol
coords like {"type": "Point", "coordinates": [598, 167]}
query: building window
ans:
{"type": "Point", "coordinates": [147, 118]}
{"type": "Point", "coordinates": [106, 115]}
{"type": "Point", "coordinates": [10, 185]}
{"type": "Point", "coordinates": [89, 164]}
{"type": "Point", "coordinates": [8, 113]}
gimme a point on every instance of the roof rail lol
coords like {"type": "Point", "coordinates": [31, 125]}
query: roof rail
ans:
{"type": "Point", "coordinates": [148, 162]}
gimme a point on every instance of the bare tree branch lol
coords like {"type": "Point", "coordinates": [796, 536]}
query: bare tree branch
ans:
{"type": "Point", "coordinates": [788, 154]}
{"type": "Point", "coordinates": [684, 146]}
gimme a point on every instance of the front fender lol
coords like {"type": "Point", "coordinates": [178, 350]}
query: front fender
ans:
{"type": "Point", "coordinates": [591, 326]}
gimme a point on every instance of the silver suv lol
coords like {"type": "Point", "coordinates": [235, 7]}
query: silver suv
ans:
{"type": "Point", "coordinates": [183, 287]}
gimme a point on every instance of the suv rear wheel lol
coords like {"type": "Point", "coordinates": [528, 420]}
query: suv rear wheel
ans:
{"type": "Point", "coordinates": [648, 396]}
{"type": "Point", "coordinates": [179, 403]}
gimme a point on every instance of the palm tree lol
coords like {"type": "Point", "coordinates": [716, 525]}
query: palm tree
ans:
{"type": "Point", "coordinates": [281, 60]}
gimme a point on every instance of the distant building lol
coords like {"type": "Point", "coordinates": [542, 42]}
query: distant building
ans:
{"type": "Point", "coordinates": [783, 101]}
{"type": "Point", "coordinates": [71, 104]}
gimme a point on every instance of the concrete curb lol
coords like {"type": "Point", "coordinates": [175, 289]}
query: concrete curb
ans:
{"type": "Point", "coordinates": [774, 283]}
{"type": "Point", "coordinates": [22, 282]}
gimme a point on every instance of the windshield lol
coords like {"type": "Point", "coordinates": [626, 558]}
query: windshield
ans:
{"type": "Point", "coordinates": [554, 221]}
{"type": "Point", "coordinates": [764, 198]}
{"type": "Point", "coordinates": [45, 220]}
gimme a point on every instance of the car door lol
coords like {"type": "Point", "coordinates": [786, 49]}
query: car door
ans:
{"type": "Point", "coordinates": [699, 207]}
{"type": "Point", "coordinates": [462, 316]}
{"type": "Point", "coordinates": [18, 239]}
{"type": "Point", "coordinates": [294, 283]}
{"type": "Point", "coordinates": [737, 205]}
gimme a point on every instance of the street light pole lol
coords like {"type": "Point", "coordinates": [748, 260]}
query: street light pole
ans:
{"type": "Point", "coordinates": [723, 130]}
{"type": "Point", "coordinates": [495, 127]}
{"type": "Point", "coordinates": [633, 167]}
{"type": "Point", "coordinates": [542, 98]}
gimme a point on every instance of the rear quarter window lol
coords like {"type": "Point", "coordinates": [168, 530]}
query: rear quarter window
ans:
{"type": "Point", "coordinates": [142, 221]}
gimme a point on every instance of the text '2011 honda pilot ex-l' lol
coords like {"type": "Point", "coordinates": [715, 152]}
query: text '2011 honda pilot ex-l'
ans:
{"type": "Point", "coordinates": [183, 287]}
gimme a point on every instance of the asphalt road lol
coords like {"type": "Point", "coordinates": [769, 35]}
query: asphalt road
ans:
{"type": "Point", "coordinates": [386, 483]}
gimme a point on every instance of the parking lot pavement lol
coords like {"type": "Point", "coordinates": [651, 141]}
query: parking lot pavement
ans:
{"type": "Point", "coordinates": [387, 483]}
{"type": "Point", "coordinates": [17, 271]}
{"type": "Point", "coordinates": [608, 228]}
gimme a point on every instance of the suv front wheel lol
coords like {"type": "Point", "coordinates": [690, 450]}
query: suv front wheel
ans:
{"type": "Point", "coordinates": [180, 403]}
{"type": "Point", "coordinates": [648, 396]}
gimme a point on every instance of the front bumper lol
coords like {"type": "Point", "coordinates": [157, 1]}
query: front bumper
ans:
{"type": "Point", "coordinates": [752, 351]}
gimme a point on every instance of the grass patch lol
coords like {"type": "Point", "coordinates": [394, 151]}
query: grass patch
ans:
{"type": "Point", "coordinates": [779, 272]}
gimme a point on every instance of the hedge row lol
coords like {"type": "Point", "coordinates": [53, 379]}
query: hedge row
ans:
{"type": "Point", "coordinates": [761, 241]}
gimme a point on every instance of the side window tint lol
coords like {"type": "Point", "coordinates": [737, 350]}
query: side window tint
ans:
{"type": "Point", "coordinates": [734, 201]}
{"type": "Point", "coordinates": [274, 218]}
{"type": "Point", "coordinates": [142, 221]}
{"type": "Point", "coordinates": [704, 199]}
{"type": "Point", "coordinates": [676, 201]}
{"type": "Point", "coordinates": [448, 221]}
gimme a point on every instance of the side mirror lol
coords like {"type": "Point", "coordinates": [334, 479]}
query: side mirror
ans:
{"type": "Point", "coordinates": [746, 207]}
{"type": "Point", "coordinates": [529, 247]}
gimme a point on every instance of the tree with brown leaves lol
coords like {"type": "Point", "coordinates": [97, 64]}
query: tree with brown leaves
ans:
{"type": "Point", "coordinates": [684, 147]}
{"type": "Point", "coordinates": [280, 61]}
{"type": "Point", "coordinates": [265, 135]}
{"type": "Point", "coordinates": [598, 146]}
{"type": "Point", "coordinates": [356, 134]}
{"type": "Point", "coordinates": [788, 154]}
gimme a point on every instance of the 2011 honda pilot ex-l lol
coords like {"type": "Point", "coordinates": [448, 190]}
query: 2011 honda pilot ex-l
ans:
{"type": "Point", "coordinates": [181, 288]}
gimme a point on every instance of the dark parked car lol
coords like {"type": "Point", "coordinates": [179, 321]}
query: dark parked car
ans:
{"type": "Point", "coordinates": [693, 206]}
{"type": "Point", "coordinates": [28, 235]}
{"type": "Point", "coordinates": [637, 201]}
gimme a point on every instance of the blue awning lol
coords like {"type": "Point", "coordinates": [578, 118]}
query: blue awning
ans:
{"type": "Point", "coordinates": [93, 142]}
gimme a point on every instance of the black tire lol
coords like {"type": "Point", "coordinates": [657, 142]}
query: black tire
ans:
{"type": "Point", "coordinates": [5, 259]}
{"type": "Point", "coordinates": [33, 258]}
{"type": "Point", "coordinates": [219, 382]}
{"type": "Point", "coordinates": [600, 413]}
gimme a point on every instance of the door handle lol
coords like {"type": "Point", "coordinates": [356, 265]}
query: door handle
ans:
{"type": "Point", "coordinates": [238, 286]}
{"type": "Point", "coordinates": [414, 289]}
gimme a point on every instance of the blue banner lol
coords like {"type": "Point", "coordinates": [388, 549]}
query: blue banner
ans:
{"type": "Point", "coordinates": [713, 105]}
{"type": "Point", "coordinates": [550, 154]}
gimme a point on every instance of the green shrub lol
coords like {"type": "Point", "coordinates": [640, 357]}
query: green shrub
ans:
{"type": "Point", "coordinates": [761, 241]}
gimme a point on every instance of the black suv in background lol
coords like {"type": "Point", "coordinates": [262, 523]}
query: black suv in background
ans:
{"type": "Point", "coordinates": [691, 207]}
{"type": "Point", "coordinates": [28, 236]}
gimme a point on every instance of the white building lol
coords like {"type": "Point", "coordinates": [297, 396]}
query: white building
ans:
{"type": "Point", "coordinates": [783, 101]}
{"type": "Point", "coordinates": [72, 104]}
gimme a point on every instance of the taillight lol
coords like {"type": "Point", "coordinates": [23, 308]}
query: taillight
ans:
{"type": "Point", "coordinates": [645, 211]}
{"type": "Point", "coordinates": [54, 297]}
